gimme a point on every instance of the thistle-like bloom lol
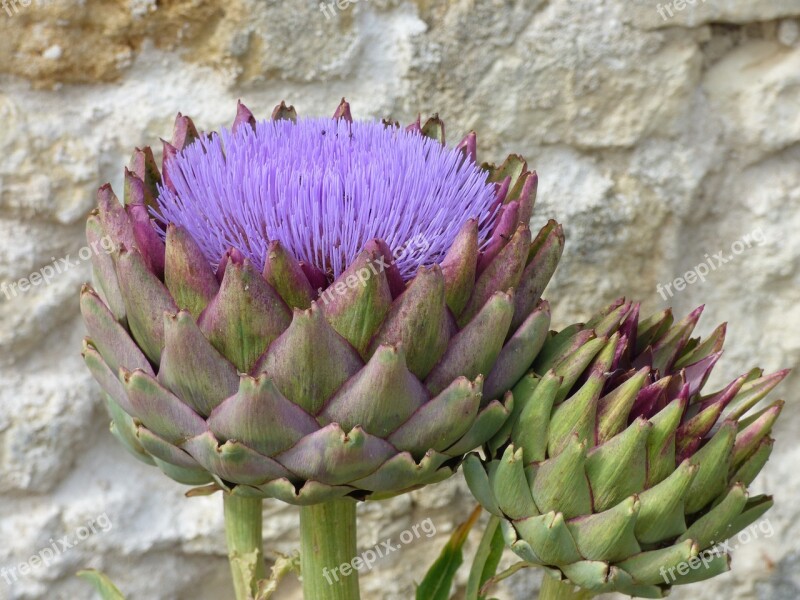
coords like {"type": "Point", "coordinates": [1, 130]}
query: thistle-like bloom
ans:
{"type": "Point", "coordinates": [324, 188]}
{"type": "Point", "coordinates": [615, 470]}
{"type": "Point", "coordinates": [308, 309]}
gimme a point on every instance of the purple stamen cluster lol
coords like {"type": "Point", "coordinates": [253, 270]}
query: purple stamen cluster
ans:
{"type": "Point", "coordinates": [324, 188]}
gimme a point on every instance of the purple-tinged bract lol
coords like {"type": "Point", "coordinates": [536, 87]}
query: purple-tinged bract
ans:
{"type": "Point", "coordinates": [324, 188]}
{"type": "Point", "coordinates": [616, 468]}
{"type": "Point", "coordinates": [307, 316]}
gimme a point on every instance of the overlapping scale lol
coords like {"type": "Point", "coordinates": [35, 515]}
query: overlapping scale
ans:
{"type": "Point", "coordinates": [274, 381]}
{"type": "Point", "coordinates": [628, 470]}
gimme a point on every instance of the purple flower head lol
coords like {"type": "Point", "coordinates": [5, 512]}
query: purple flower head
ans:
{"type": "Point", "coordinates": [324, 188]}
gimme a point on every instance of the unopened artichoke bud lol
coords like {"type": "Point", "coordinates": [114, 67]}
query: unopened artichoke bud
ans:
{"type": "Point", "coordinates": [307, 309]}
{"type": "Point", "coordinates": [616, 470]}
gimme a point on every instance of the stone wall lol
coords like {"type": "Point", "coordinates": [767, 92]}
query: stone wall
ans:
{"type": "Point", "coordinates": [662, 133]}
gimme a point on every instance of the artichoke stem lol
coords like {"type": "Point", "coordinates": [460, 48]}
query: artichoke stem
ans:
{"type": "Point", "coordinates": [243, 531]}
{"type": "Point", "coordinates": [553, 589]}
{"type": "Point", "coordinates": [328, 547]}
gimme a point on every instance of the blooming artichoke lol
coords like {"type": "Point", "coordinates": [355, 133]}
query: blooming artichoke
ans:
{"type": "Point", "coordinates": [615, 471]}
{"type": "Point", "coordinates": [309, 309]}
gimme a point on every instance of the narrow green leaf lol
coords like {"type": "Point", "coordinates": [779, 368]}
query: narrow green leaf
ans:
{"type": "Point", "coordinates": [101, 583]}
{"type": "Point", "coordinates": [439, 579]}
{"type": "Point", "coordinates": [487, 558]}
{"type": "Point", "coordinates": [505, 575]}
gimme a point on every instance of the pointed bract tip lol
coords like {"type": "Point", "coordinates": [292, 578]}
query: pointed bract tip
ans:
{"type": "Point", "coordinates": [556, 227]}
{"type": "Point", "coordinates": [434, 129]}
{"type": "Point", "coordinates": [170, 151]}
{"type": "Point", "coordinates": [135, 191]}
{"type": "Point", "coordinates": [184, 132]}
{"type": "Point", "coordinates": [243, 117]}
{"type": "Point", "coordinates": [232, 255]}
{"type": "Point", "coordinates": [469, 146]}
{"type": "Point", "coordinates": [105, 190]}
{"type": "Point", "coordinates": [142, 159]}
{"type": "Point", "coordinates": [316, 277]}
{"type": "Point", "coordinates": [282, 112]}
{"type": "Point", "coordinates": [695, 314]}
{"type": "Point", "coordinates": [416, 126]}
{"type": "Point", "coordinates": [343, 111]}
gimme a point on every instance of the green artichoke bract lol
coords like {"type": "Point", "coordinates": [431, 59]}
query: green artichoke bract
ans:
{"type": "Point", "coordinates": [615, 468]}
{"type": "Point", "coordinates": [259, 329]}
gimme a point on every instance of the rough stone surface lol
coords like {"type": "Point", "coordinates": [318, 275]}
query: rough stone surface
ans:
{"type": "Point", "coordinates": [658, 141]}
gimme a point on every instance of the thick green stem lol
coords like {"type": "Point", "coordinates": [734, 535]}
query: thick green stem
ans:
{"type": "Point", "coordinates": [243, 530]}
{"type": "Point", "coordinates": [553, 589]}
{"type": "Point", "coordinates": [328, 547]}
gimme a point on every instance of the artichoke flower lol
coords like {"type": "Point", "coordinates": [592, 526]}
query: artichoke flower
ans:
{"type": "Point", "coordinates": [308, 309]}
{"type": "Point", "coordinates": [616, 471]}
